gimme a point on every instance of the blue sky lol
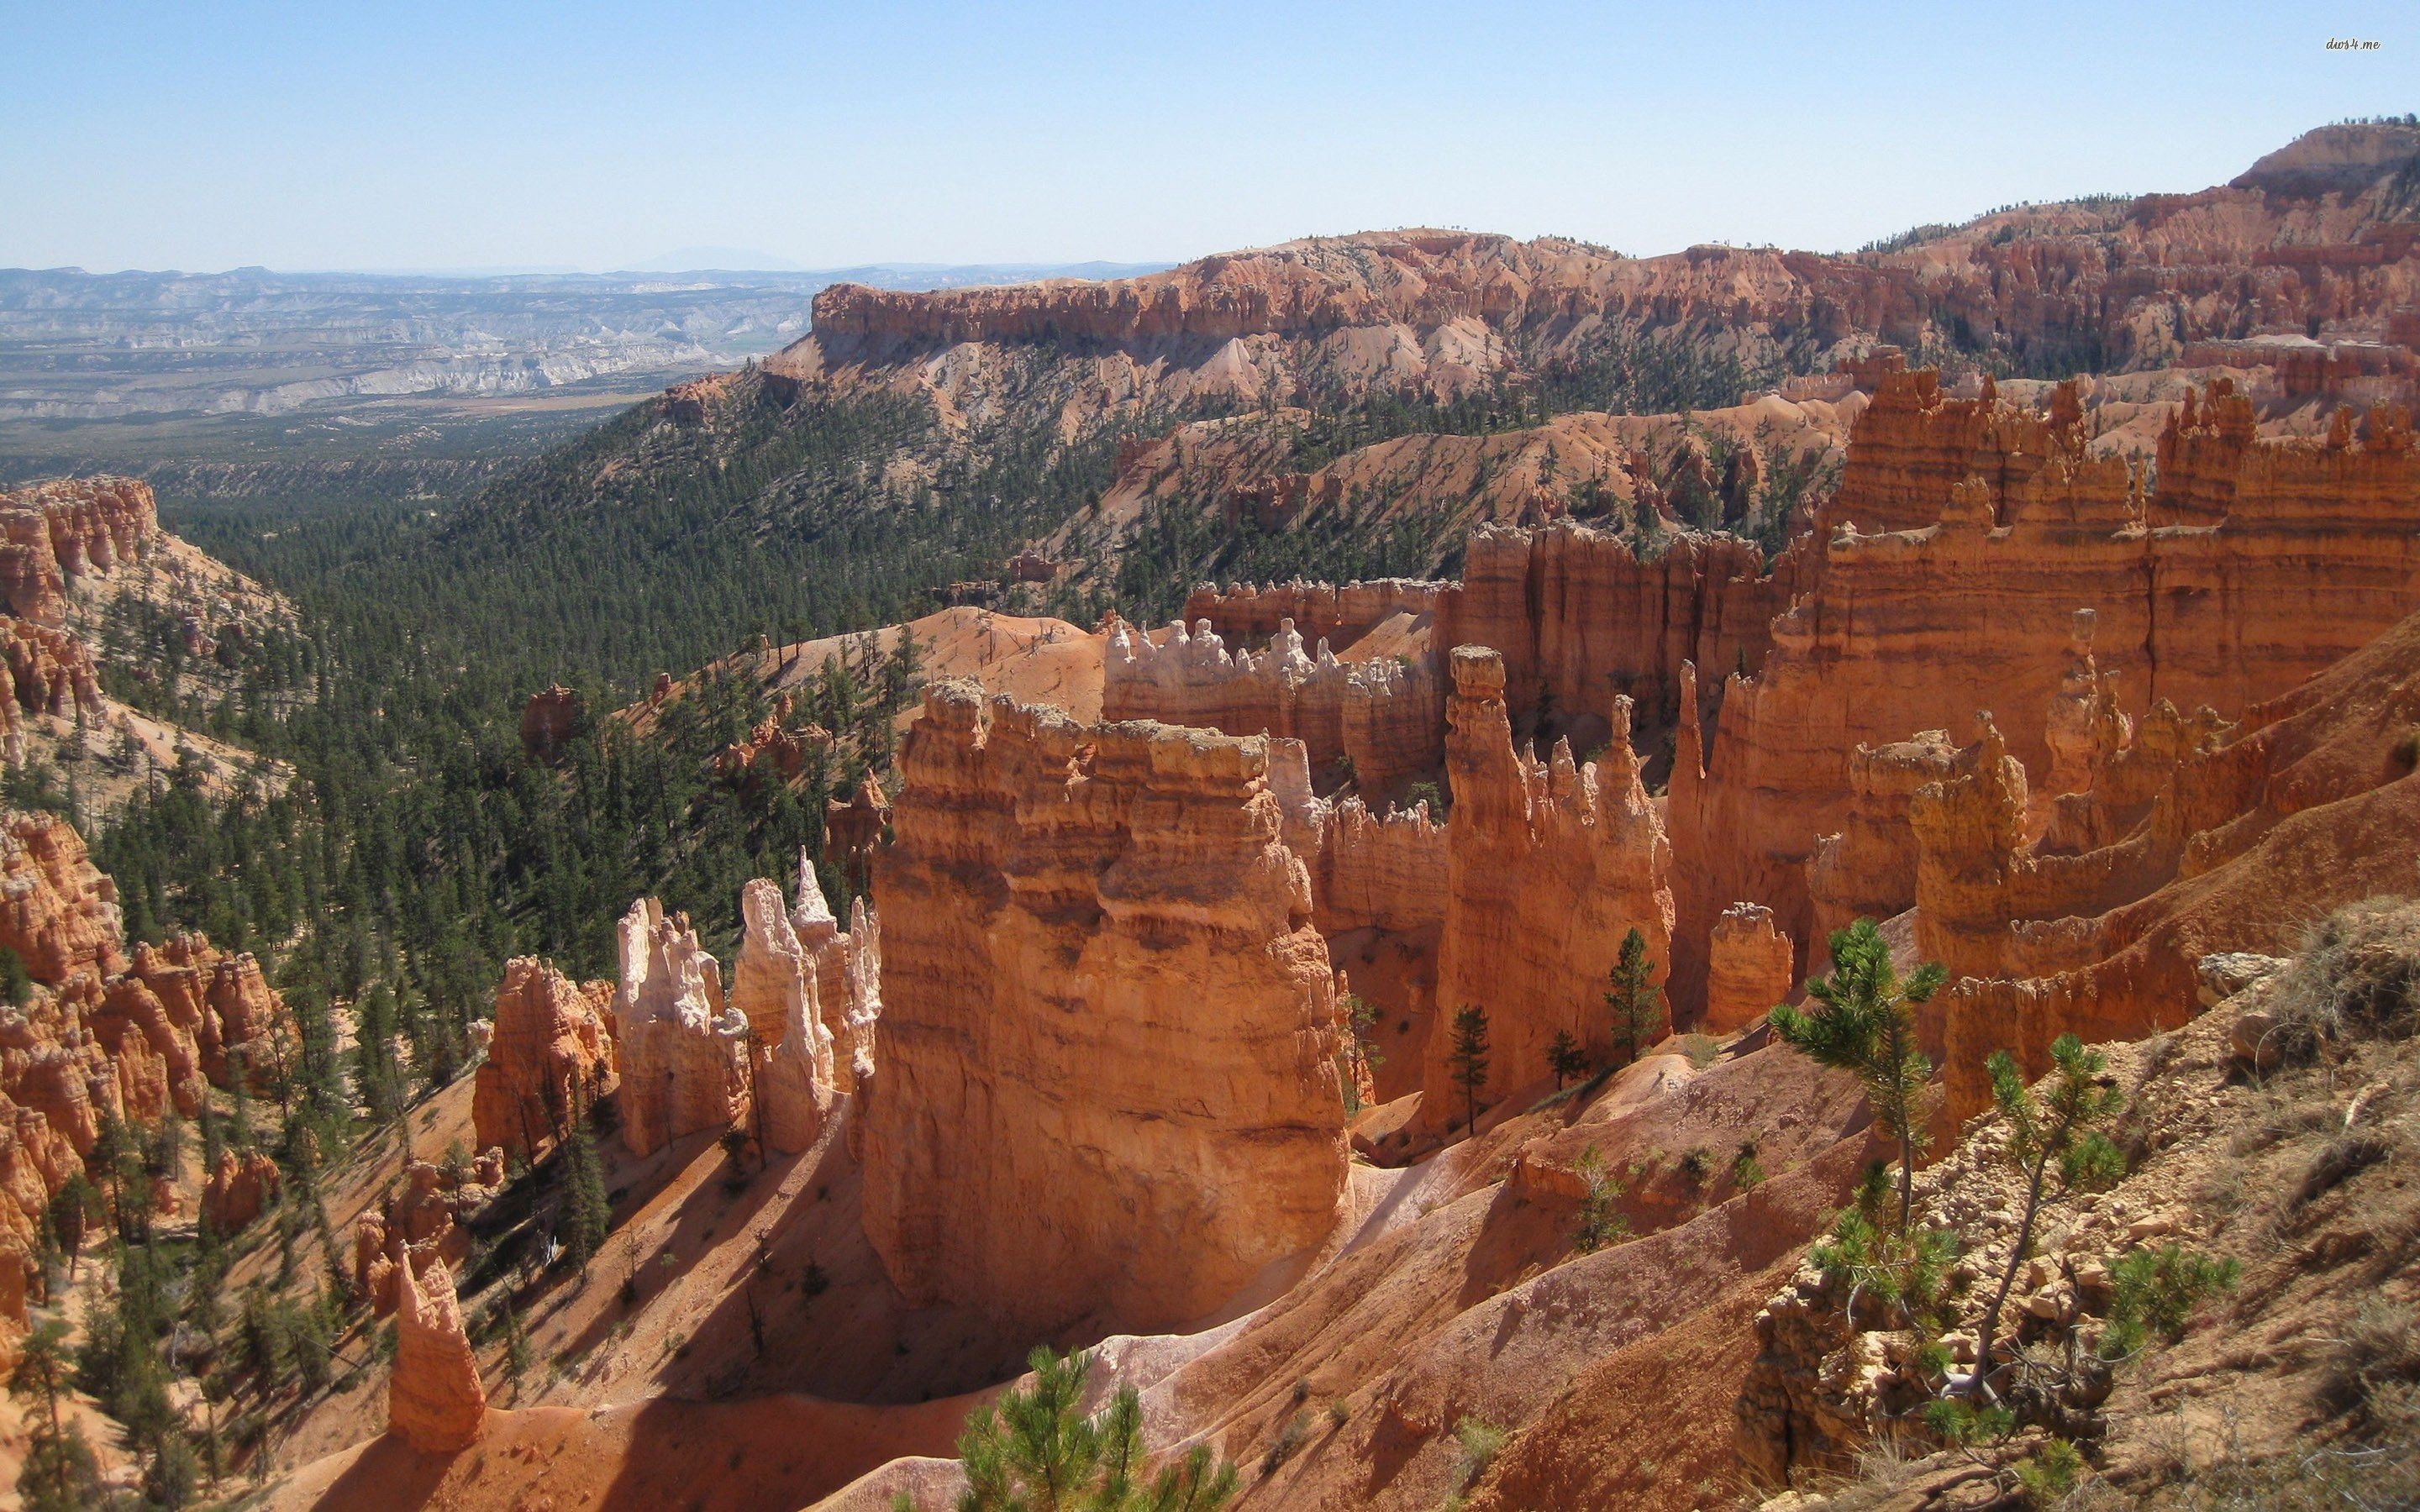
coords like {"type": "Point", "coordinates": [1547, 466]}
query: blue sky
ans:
{"type": "Point", "coordinates": [443, 135]}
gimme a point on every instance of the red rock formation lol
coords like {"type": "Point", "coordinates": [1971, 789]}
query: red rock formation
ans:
{"type": "Point", "coordinates": [547, 720]}
{"type": "Point", "coordinates": [549, 1059]}
{"type": "Point", "coordinates": [420, 1224]}
{"type": "Point", "coordinates": [770, 750]}
{"type": "Point", "coordinates": [53, 533]}
{"type": "Point", "coordinates": [1579, 618]}
{"type": "Point", "coordinates": [239, 1189]}
{"type": "Point", "coordinates": [57, 912]}
{"type": "Point", "coordinates": [1549, 866]}
{"type": "Point", "coordinates": [683, 1054]}
{"type": "Point", "coordinates": [1923, 627]}
{"type": "Point", "coordinates": [1338, 615]}
{"type": "Point", "coordinates": [1748, 969]}
{"type": "Point", "coordinates": [223, 1001]}
{"type": "Point", "coordinates": [434, 1401]}
{"type": "Point", "coordinates": [1444, 313]}
{"type": "Point", "coordinates": [1868, 870]}
{"type": "Point", "coordinates": [43, 671]}
{"type": "Point", "coordinates": [1382, 716]}
{"type": "Point", "coordinates": [1034, 1148]}
{"type": "Point", "coordinates": [2250, 833]}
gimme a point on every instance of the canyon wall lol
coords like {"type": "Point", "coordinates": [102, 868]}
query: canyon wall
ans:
{"type": "Point", "coordinates": [1338, 614]}
{"type": "Point", "coordinates": [1063, 903]}
{"type": "Point", "coordinates": [1549, 866]}
{"type": "Point", "coordinates": [92, 1032]}
{"type": "Point", "coordinates": [2247, 834]}
{"type": "Point", "coordinates": [1580, 619]}
{"type": "Point", "coordinates": [1578, 616]}
{"type": "Point", "coordinates": [1383, 715]}
{"type": "Point", "coordinates": [53, 533]}
{"type": "Point", "coordinates": [2275, 558]}
{"type": "Point", "coordinates": [2116, 285]}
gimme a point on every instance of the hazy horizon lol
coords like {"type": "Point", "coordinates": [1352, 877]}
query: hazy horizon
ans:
{"type": "Point", "coordinates": [153, 137]}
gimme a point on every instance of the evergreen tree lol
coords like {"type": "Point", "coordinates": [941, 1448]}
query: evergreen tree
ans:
{"type": "Point", "coordinates": [1468, 1060]}
{"type": "Point", "coordinates": [2058, 1129]}
{"type": "Point", "coordinates": [1035, 1451]}
{"type": "Point", "coordinates": [1635, 1000]}
{"type": "Point", "coordinates": [587, 1213]}
{"type": "Point", "coordinates": [60, 1472]}
{"type": "Point", "coordinates": [1565, 1058]}
{"type": "Point", "coordinates": [1862, 1024]}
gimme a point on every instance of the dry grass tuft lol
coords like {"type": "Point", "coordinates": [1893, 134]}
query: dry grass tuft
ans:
{"type": "Point", "coordinates": [2358, 975]}
{"type": "Point", "coordinates": [2380, 1347]}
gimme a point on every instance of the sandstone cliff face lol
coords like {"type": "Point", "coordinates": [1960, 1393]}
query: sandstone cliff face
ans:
{"type": "Point", "coordinates": [1924, 627]}
{"type": "Point", "coordinates": [434, 1401]}
{"type": "Point", "coordinates": [54, 534]}
{"type": "Point", "coordinates": [2247, 834]}
{"type": "Point", "coordinates": [683, 1054]}
{"type": "Point", "coordinates": [1062, 904]}
{"type": "Point", "coordinates": [1442, 313]}
{"type": "Point", "coordinates": [1579, 618]}
{"type": "Point", "coordinates": [1383, 715]}
{"type": "Point", "coordinates": [1576, 613]}
{"type": "Point", "coordinates": [1339, 614]}
{"type": "Point", "coordinates": [550, 1058]}
{"type": "Point", "coordinates": [1549, 866]}
{"type": "Point", "coordinates": [1378, 898]}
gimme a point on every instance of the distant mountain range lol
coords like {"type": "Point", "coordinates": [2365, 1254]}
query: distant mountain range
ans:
{"type": "Point", "coordinates": [99, 347]}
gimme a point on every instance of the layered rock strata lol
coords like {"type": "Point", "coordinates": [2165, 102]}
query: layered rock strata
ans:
{"type": "Point", "coordinates": [1747, 968]}
{"type": "Point", "coordinates": [551, 1057]}
{"type": "Point", "coordinates": [1338, 614]}
{"type": "Point", "coordinates": [54, 534]}
{"type": "Point", "coordinates": [1382, 716]}
{"type": "Point", "coordinates": [1549, 866]}
{"type": "Point", "coordinates": [1063, 903]}
{"type": "Point", "coordinates": [1445, 313]}
{"type": "Point", "coordinates": [2203, 591]}
{"type": "Point", "coordinates": [683, 1052]}
{"type": "Point", "coordinates": [2230, 839]}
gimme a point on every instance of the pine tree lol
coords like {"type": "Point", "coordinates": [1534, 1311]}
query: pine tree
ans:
{"type": "Point", "coordinates": [1863, 1026]}
{"type": "Point", "coordinates": [1468, 1060]}
{"type": "Point", "coordinates": [60, 1472]}
{"type": "Point", "coordinates": [2060, 1130]}
{"type": "Point", "coordinates": [1035, 1451]}
{"type": "Point", "coordinates": [587, 1213]}
{"type": "Point", "coordinates": [1565, 1058]}
{"type": "Point", "coordinates": [1635, 1000]}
